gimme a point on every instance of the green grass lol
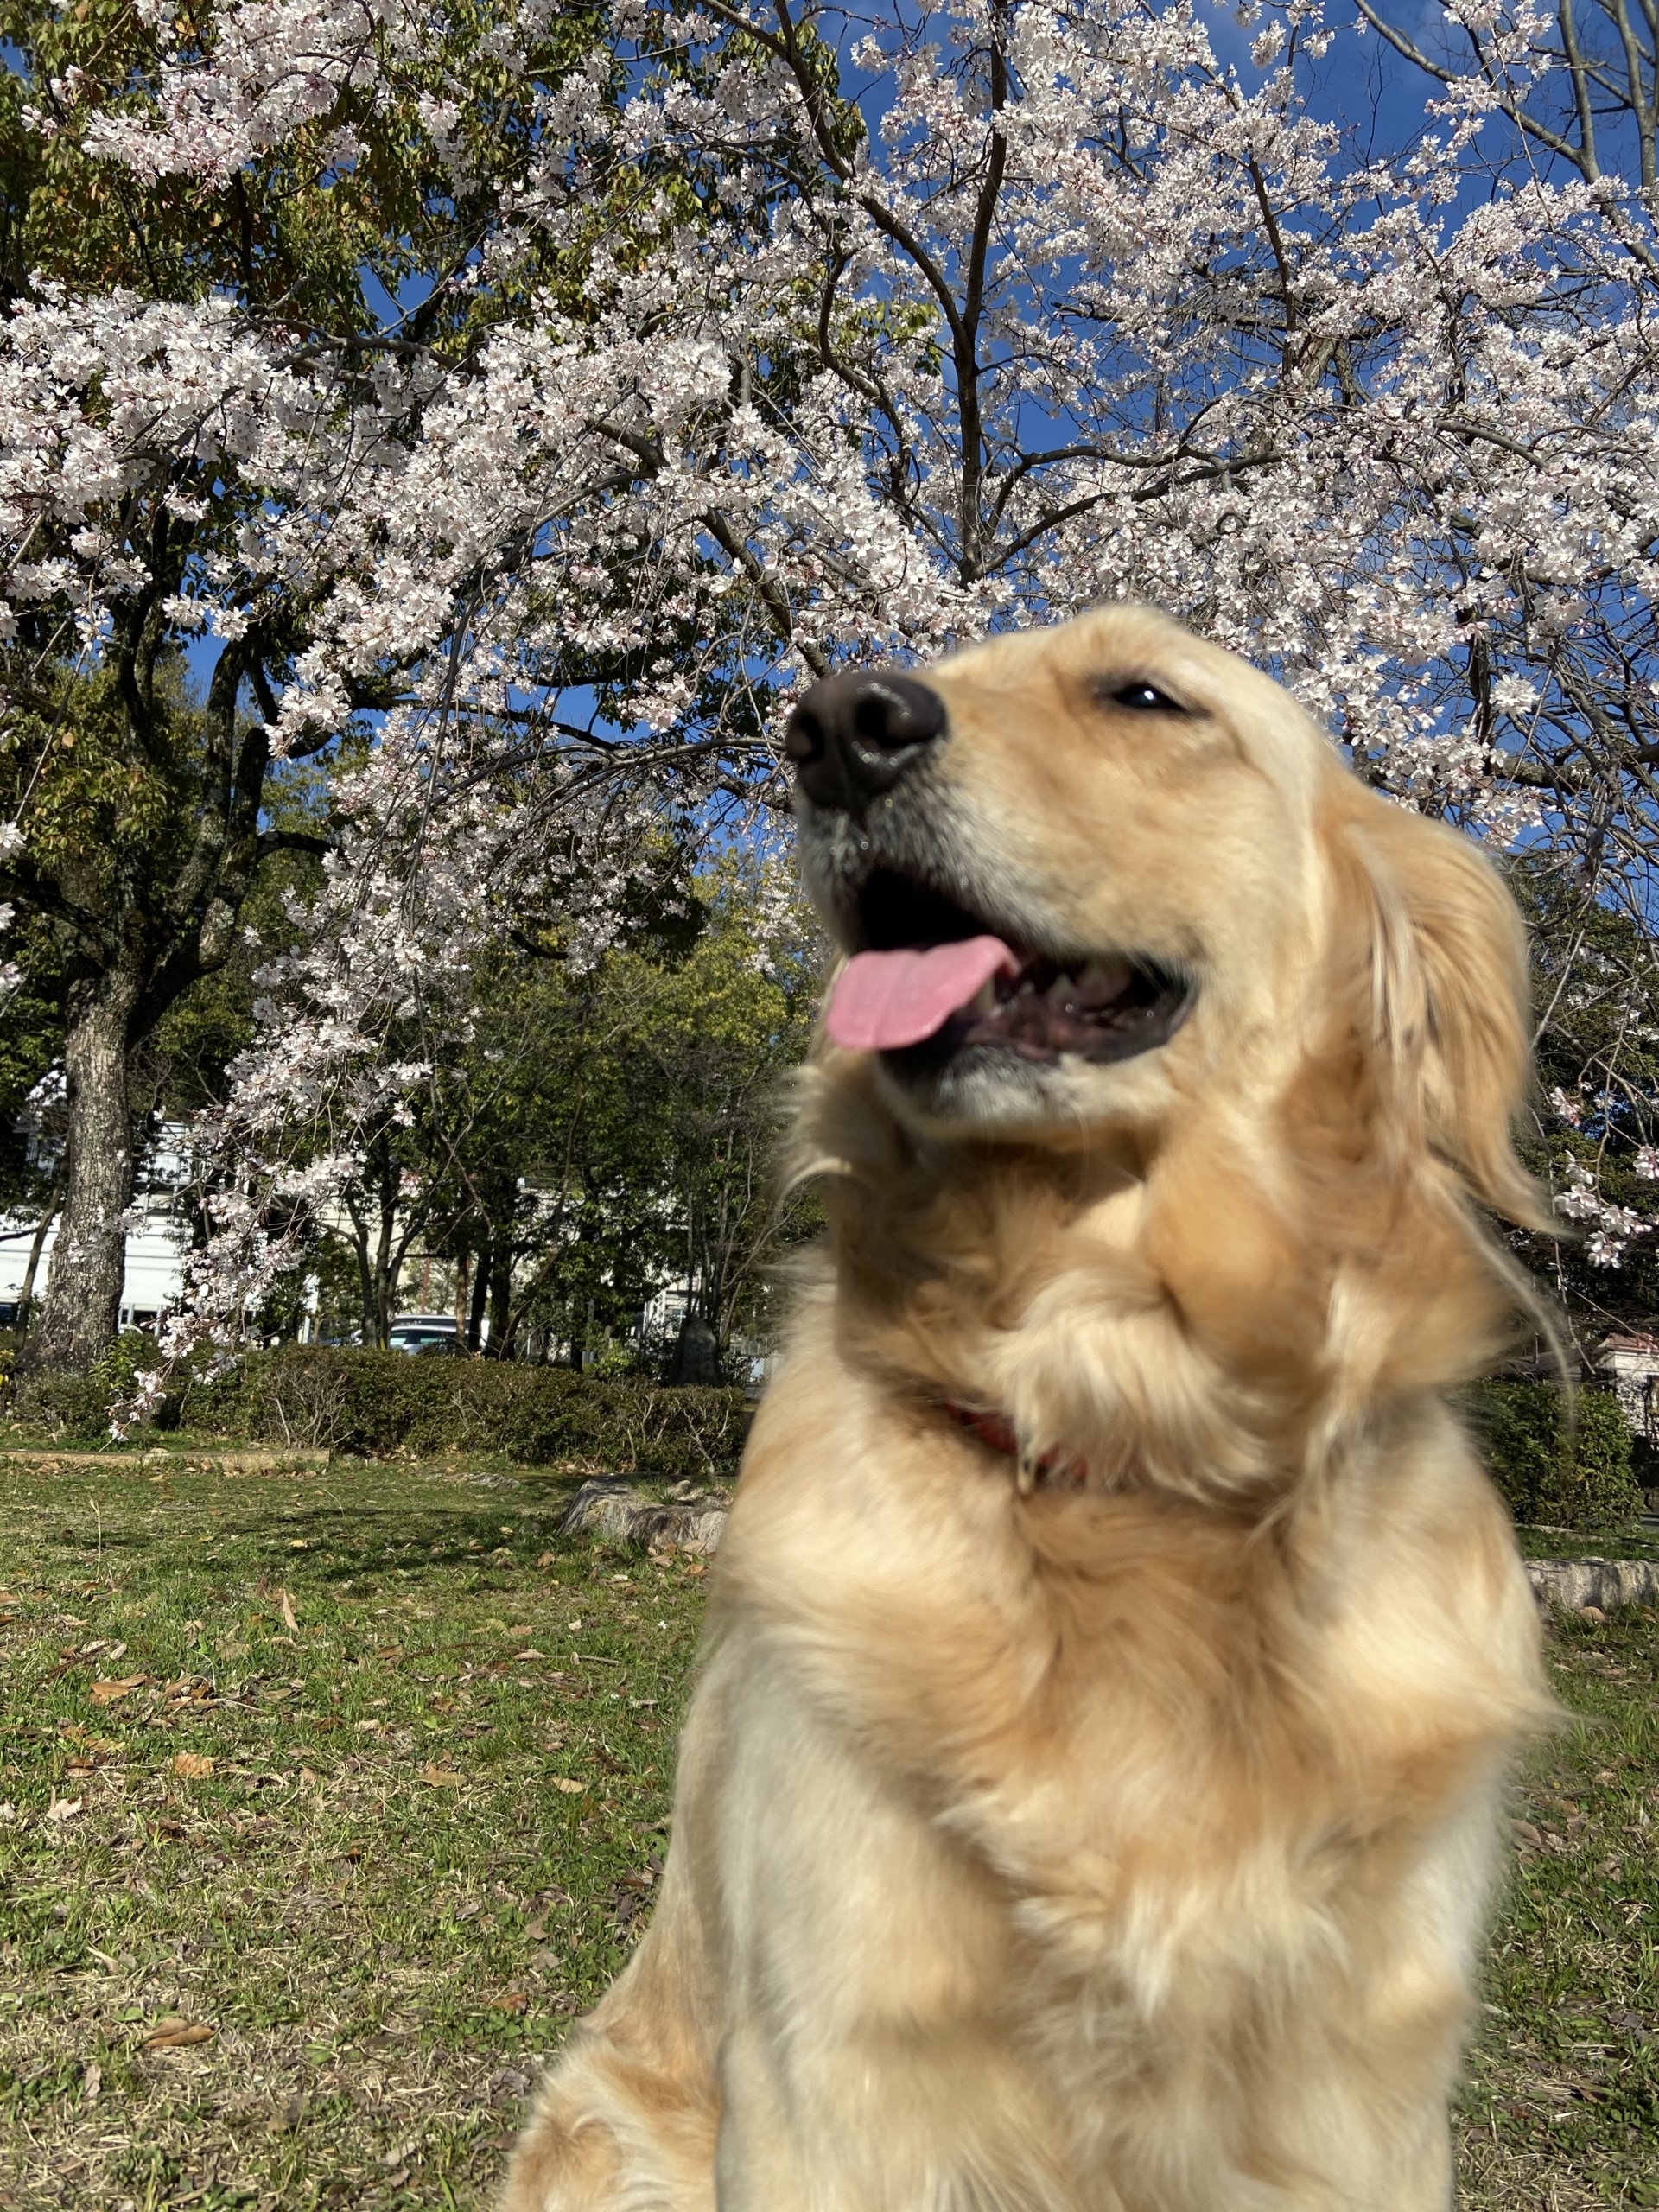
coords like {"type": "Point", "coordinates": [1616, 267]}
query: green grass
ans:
{"type": "Point", "coordinates": [385, 1908]}
{"type": "Point", "coordinates": [1632, 1541]}
{"type": "Point", "coordinates": [1562, 2108]}
{"type": "Point", "coordinates": [416, 1853]}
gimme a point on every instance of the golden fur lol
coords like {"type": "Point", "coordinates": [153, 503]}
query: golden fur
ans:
{"type": "Point", "coordinates": [1123, 1848]}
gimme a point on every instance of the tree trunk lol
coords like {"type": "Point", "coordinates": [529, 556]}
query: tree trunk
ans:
{"type": "Point", "coordinates": [695, 1357]}
{"type": "Point", "coordinates": [379, 1254]}
{"type": "Point", "coordinates": [388, 1285]}
{"type": "Point", "coordinates": [81, 1311]}
{"type": "Point", "coordinates": [501, 1305]}
{"type": "Point", "coordinates": [480, 1295]}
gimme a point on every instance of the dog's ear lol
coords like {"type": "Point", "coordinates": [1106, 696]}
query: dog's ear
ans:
{"type": "Point", "coordinates": [1445, 962]}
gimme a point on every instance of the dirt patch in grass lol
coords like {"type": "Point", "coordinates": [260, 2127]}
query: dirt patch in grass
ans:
{"type": "Point", "coordinates": [329, 1797]}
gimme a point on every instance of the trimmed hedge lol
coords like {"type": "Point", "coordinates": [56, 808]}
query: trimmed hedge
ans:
{"type": "Point", "coordinates": [76, 1409]}
{"type": "Point", "coordinates": [385, 1405]}
{"type": "Point", "coordinates": [1550, 1476]}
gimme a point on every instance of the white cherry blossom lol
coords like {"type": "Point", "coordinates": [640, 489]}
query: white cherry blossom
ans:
{"type": "Point", "coordinates": [1047, 303]}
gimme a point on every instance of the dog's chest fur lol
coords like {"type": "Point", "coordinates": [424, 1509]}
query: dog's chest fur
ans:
{"type": "Point", "coordinates": [1191, 1763]}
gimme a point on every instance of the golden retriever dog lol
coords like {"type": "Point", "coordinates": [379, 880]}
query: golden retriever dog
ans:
{"type": "Point", "coordinates": [1091, 1797]}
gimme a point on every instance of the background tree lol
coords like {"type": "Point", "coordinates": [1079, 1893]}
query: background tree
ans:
{"type": "Point", "coordinates": [31, 1111]}
{"type": "Point", "coordinates": [145, 834]}
{"type": "Point", "coordinates": [783, 337]}
{"type": "Point", "coordinates": [1594, 1134]}
{"type": "Point", "coordinates": [716, 1041]}
{"type": "Point", "coordinates": [602, 1131]}
{"type": "Point", "coordinates": [1569, 90]}
{"type": "Point", "coordinates": [190, 362]}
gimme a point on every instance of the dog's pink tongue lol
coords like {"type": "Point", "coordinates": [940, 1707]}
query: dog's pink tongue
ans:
{"type": "Point", "coordinates": [884, 1000]}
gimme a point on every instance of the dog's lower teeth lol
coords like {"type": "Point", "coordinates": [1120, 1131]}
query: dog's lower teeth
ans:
{"type": "Point", "coordinates": [1108, 976]}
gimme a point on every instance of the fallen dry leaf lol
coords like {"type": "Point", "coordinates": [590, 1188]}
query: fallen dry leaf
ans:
{"type": "Point", "coordinates": [192, 1765]}
{"type": "Point", "coordinates": [64, 1808]}
{"type": "Point", "coordinates": [530, 1654]}
{"type": "Point", "coordinates": [570, 1788]}
{"type": "Point", "coordinates": [512, 2000]}
{"type": "Point", "coordinates": [525, 1628]}
{"type": "Point", "coordinates": [171, 2033]}
{"type": "Point", "coordinates": [106, 1690]}
{"type": "Point", "coordinates": [438, 1777]}
{"type": "Point", "coordinates": [289, 1621]}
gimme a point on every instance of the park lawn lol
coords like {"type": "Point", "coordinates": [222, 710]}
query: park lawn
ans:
{"type": "Point", "coordinates": [362, 1770]}
{"type": "Point", "coordinates": [1635, 1539]}
{"type": "Point", "coordinates": [308, 1860]}
{"type": "Point", "coordinates": [1563, 2107]}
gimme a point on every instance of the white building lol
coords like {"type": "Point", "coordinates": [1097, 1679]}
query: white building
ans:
{"type": "Point", "coordinates": [1630, 1362]}
{"type": "Point", "coordinates": [155, 1270]}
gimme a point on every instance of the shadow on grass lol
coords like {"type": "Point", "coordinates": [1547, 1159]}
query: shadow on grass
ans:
{"type": "Point", "coordinates": [317, 1545]}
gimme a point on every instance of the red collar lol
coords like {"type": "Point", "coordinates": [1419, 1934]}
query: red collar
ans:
{"type": "Point", "coordinates": [996, 1429]}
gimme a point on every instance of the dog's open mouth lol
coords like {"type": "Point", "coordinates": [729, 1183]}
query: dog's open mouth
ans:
{"type": "Point", "coordinates": [932, 971]}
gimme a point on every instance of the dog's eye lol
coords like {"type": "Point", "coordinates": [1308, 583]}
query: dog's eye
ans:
{"type": "Point", "coordinates": [1144, 698]}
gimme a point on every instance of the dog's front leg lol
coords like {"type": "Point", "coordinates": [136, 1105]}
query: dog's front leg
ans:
{"type": "Point", "coordinates": [1426, 2186]}
{"type": "Point", "coordinates": [871, 2056]}
{"type": "Point", "coordinates": [902, 2126]}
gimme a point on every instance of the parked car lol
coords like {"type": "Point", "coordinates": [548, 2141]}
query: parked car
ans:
{"type": "Point", "coordinates": [421, 1335]}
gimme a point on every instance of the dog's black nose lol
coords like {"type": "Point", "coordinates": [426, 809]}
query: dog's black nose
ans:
{"type": "Point", "coordinates": [853, 736]}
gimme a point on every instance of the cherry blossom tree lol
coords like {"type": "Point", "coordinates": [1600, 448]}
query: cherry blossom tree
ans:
{"type": "Point", "coordinates": [194, 368]}
{"type": "Point", "coordinates": [782, 335]}
{"type": "Point", "coordinates": [1571, 89]}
